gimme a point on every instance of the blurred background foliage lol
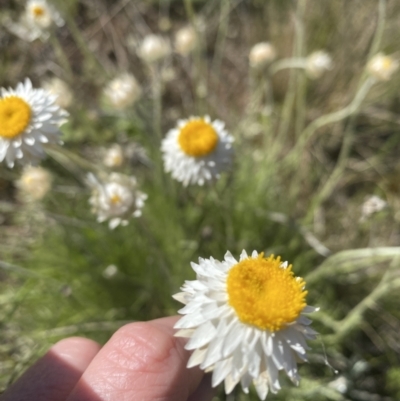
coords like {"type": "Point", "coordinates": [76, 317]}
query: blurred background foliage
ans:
{"type": "Point", "coordinates": [62, 273]}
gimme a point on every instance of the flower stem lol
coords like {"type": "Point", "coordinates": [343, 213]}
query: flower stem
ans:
{"type": "Point", "coordinates": [62, 57]}
{"type": "Point", "coordinates": [331, 118]}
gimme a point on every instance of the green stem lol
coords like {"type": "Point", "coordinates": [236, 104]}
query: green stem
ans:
{"type": "Point", "coordinates": [354, 317]}
{"type": "Point", "coordinates": [301, 80]}
{"type": "Point", "coordinates": [82, 328]}
{"type": "Point", "coordinates": [288, 63]}
{"type": "Point", "coordinates": [91, 60]}
{"type": "Point", "coordinates": [331, 118]}
{"type": "Point", "coordinates": [349, 261]}
{"type": "Point", "coordinates": [336, 174]}
{"type": "Point", "coordinates": [61, 55]}
{"type": "Point", "coordinates": [72, 161]}
{"type": "Point", "coordinates": [157, 100]}
{"type": "Point", "coordinates": [376, 42]}
{"type": "Point", "coordinates": [221, 37]}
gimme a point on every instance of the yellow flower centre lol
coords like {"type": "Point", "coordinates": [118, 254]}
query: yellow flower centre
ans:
{"type": "Point", "coordinates": [115, 198]}
{"type": "Point", "coordinates": [38, 11]}
{"type": "Point", "coordinates": [198, 138]}
{"type": "Point", "coordinates": [264, 294]}
{"type": "Point", "coordinates": [28, 179]}
{"type": "Point", "coordinates": [387, 63]}
{"type": "Point", "coordinates": [15, 115]}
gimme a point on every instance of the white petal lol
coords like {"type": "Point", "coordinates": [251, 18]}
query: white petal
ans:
{"type": "Point", "coordinates": [114, 223]}
{"type": "Point", "coordinates": [277, 353]}
{"type": "Point", "coordinates": [3, 149]}
{"type": "Point", "coordinates": [43, 139]}
{"type": "Point", "coordinates": [233, 339]}
{"type": "Point", "coordinates": [202, 336]}
{"type": "Point", "coordinates": [214, 352]}
{"type": "Point", "coordinates": [295, 339]}
{"type": "Point", "coordinates": [261, 385]}
{"type": "Point", "coordinates": [255, 360]}
{"type": "Point", "coordinates": [197, 357]}
{"type": "Point", "coordinates": [221, 370]}
{"type": "Point", "coordinates": [243, 255]}
{"type": "Point", "coordinates": [310, 309]}
{"type": "Point", "coordinates": [304, 320]}
{"type": "Point", "coordinates": [245, 381]}
{"type": "Point", "coordinates": [185, 333]}
{"type": "Point", "coordinates": [273, 376]}
{"type": "Point", "coordinates": [230, 384]}
{"type": "Point", "coordinates": [29, 140]}
{"type": "Point", "coordinates": [180, 297]}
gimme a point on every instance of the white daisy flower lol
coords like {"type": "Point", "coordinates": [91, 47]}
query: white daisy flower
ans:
{"type": "Point", "coordinates": [154, 48]}
{"type": "Point", "coordinates": [261, 54]}
{"type": "Point", "coordinates": [29, 118]}
{"type": "Point", "coordinates": [317, 63]}
{"type": "Point", "coordinates": [123, 91]}
{"type": "Point", "coordinates": [245, 321]}
{"type": "Point", "coordinates": [35, 22]}
{"type": "Point", "coordinates": [116, 199]}
{"type": "Point", "coordinates": [35, 182]}
{"type": "Point", "coordinates": [197, 150]}
{"type": "Point", "coordinates": [382, 67]}
{"type": "Point", "coordinates": [42, 15]}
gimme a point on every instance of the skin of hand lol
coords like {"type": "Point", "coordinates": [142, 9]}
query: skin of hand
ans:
{"type": "Point", "coordinates": [141, 362]}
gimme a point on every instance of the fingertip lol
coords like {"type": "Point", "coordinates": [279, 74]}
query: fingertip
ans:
{"type": "Point", "coordinates": [77, 352]}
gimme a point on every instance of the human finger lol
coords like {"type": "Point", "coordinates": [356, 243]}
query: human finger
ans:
{"type": "Point", "coordinates": [54, 376]}
{"type": "Point", "coordinates": [142, 361]}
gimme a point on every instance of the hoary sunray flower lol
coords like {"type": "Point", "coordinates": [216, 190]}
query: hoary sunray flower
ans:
{"type": "Point", "coordinates": [35, 182]}
{"type": "Point", "coordinates": [35, 22]}
{"type": "Point", "coordinates": [123, 91]}
{"type": "Point", "coordinates": [382, 67]}
{"type": "Point", "coordinates": [116, 198]}
{"type": "Point", "coordinates": [197, 150]}
{"type": "Point", "coordinates": [245, 321]}
{"type": "Point", "coordinates": [42, 15]}
{"type": "Point", "coordinates": [317, 63]}
{"type": "Point", "coordinates": [261, 54]}
{"type": "Point", "coordinates": [29, 118]}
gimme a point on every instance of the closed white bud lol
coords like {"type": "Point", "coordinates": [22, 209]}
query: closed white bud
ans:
{"type": "Point", "coordinates": [317, 63]}
{"type": "Point", "coordinates": [261, 54]}
{"type": "Point", "coordinates": [382, 67]}
{"type": "Point", "coordinates": [340, 384]}
{"type": "Point", "coordinates": [123, 91]}
{"type": "Point", "coordinates": [185, 40]}
{"type": "Point", "coordinates": [154, 48]}
{"type": "Point", "coordinates": [373, 204]}
{"type": "Point", "coordinates": [34, 183]}
{"type": "Point", "coordinates": [59, 88]}
{"type": "Point", "coordinates": [114, 156]}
